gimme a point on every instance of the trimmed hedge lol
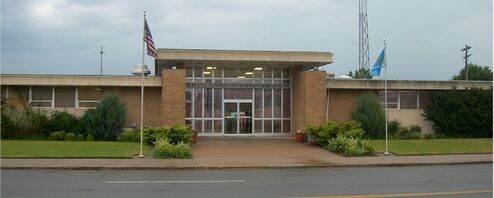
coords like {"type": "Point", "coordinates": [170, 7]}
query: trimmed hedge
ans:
{"type": "Point", "coordinates": [461, 113]}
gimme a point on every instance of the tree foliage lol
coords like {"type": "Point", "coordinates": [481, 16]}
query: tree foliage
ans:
{"type": "Point", "coordinates": [461, 113]}
{"type": "Point", "coordinates": [105, 121]}
{"type": "Point", "coordinates": [370, 115]}
{"type": "Point", "coordinates": [360, 73]}
{"type": "Point", "coordinates": [475, 72]}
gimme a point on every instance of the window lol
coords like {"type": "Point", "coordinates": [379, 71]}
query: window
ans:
{"type": "Point", "coordinates": [408, 100]}
{"type": "Point", "coordinates": [89, 96]}
{"type": "Point", "coordinates": [42, 96]}
{"type": "Point", "coordinates": [19, 93]}
{"type": "Point", "coordinates": [64, 96]}
{"type": "Point", "coordinates": [424, 99]}
{"type": "Point", "coordinates": [392, 99]}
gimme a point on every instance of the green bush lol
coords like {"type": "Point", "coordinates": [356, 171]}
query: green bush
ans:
{"type": "Point", "coordinates": [393, 127]}
{"type": "Point", "coordinates": [80, 137]}
{"type": "Point", "coordinates": [434, 136]}
{"type": "Point", "coordinates": [70, 136]}
{"type": "Point", "coordinates": [461, 113]}
{"type": "Point", "coordinates": [151, 134]}
{"type": "Point", "coordinates": [412, 132]}
{"type": "Point", "coordinates": [64, 121]}
{"type": "Point", "coordinates": [330, 129]}
{"type": "Point", "coordinates": [349, 146]}
{"type": "Point", "coordinates": [57, 135]}
{"type": "Point", "coordinates": [22, 121]}
{"type": "Point", "coordinates": [106, 120]}
{"type": "Point", "coordinates": [90, 137]}
{"type": "Point", "coordinates": [370, 115]}
{"type": "Point", "coordinates": [165, 149]}
{"type": "Point", "coordinates": [131, 136]}
{"type": "Point", "coordinates": [180, 133]}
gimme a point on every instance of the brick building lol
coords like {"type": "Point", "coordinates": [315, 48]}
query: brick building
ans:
{"type": "Point", "coordinates": [231, 92]}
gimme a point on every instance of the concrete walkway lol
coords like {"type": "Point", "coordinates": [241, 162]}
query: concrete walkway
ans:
{"type": "Point", "coordinates": [216, 153]}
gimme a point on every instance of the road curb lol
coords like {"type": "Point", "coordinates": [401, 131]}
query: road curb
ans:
{"type": "Point", "coordinates": [245, 167]}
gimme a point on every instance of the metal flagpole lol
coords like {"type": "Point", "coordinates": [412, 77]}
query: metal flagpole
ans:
{"type": "Point", "coordinates": [386, 95]}
{"type": "Point", "coordinates": [142, 82]}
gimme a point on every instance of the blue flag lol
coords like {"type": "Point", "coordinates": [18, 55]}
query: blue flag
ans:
{"type": "Point", "coordinates": [376, 69]}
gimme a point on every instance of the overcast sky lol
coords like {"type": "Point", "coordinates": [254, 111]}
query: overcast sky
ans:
{"type": "Point", "coordinates": [424, 37]}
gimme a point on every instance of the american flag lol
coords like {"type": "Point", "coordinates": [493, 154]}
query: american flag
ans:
{"type": "Point", "coordinates": [148, 38]}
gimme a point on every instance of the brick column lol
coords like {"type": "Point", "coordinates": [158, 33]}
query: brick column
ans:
{"type": "Point", "coordinates": [172, 97]}
{"type": "Point", "coordinates": [309, 98]}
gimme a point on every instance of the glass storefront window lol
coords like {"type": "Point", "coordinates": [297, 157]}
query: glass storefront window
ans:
{"type": "Point", "coordinates": [198, 103]}
{"type": "Point", "coordinates": [218, 102]}
{"type": "Point", "coordinates": [286, 103]}
{"type": "Point", "coordinates": [188, 103]}
{"type": "Point", "coordinates": [205, 107]}
{"type": "Point", "coordinates": [267, 103]}
{"type": "Point", "coordinates": [208, 102]}
{"type": "Point", "coordinates": [277, 103]}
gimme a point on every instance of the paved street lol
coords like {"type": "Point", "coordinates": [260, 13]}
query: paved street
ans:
{"type": "Point", "coordinates": [451, 181]}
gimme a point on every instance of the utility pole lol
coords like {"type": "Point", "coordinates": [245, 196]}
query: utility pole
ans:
{"type": "Point", "coordinates": [101, 61]}
{"type": "Point", "coordinates": [466, 59]}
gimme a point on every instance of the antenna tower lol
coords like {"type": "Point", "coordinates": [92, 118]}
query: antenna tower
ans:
{"type": "Point", "coordinates": [363, 36]}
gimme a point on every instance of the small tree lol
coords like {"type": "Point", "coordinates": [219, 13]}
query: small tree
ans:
{"type": "Point", "coordinates": [361, 73]}
{"type": "Point", "coordinates": [106, 120]}
{"type": "Point", "coordinates": [370, 115]}
{"type": "Point", "coordinates": [475, 72]}
{"type": "Point", "coordinates": [64, 121]}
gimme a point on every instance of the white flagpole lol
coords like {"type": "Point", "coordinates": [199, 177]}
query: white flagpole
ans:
{"type": "Point", "coordinates": [142, 83]}
{"type": "Point", "coordinates": [386, 95]}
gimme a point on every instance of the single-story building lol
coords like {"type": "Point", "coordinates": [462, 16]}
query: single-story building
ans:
{"type": "Point", "coordinates": [231, 92]}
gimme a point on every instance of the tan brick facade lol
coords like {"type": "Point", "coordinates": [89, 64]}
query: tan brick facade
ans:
{"type": "Point", "coordinates": [309, 97]}
{"type": "Point", "coordinates": [342, 102]}
{"type": "Point", "coordinates": [172, 96]}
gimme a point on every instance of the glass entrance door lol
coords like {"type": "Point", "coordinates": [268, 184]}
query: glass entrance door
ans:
{"type": "Point", "coordinates": [238, 117]}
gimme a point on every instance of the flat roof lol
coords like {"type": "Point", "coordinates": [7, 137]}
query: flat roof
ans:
{"type": "Point", "coordinates": [406, 84]}
{"type": "Point", "coordinates": [171, 57]}
{"type": "Point", "coordinates": [79, 80]}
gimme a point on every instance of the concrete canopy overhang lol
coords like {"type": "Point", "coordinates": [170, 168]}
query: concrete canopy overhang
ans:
{"type": "Point", "coordinates": [307, 59]}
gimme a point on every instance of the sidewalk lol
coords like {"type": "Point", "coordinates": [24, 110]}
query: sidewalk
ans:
{"type": "Point", "coordinates": [218, 153]}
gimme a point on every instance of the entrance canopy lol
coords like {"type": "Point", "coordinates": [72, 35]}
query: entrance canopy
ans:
{"type": "Point", "coordinates": [180, 57]}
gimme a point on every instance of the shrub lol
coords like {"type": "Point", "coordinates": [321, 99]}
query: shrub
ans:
{"type": "Point", "coordinates": [330, 129]}
{"type": "Point", "coordinates": [80, 137]}
{"type": "Point", "coordinates": [64, 121]}
{"type": "Point", "coordinates": [180, 133]}
{"type": "Point", "coordinates": [461, 113]}
{"type": "Point", "coordinates": [151, 134]}
{"type": "Point", "coordinates": [165, 149]}
{"type": "Point", "coordinates": [131, 136]}
{"type": "Point", "coordinates": [106, 120]}
{"type": "Point", "coordinates": [57, 135]}
{"type": "Point", "coordinates": [90, 137]}
{"type": "Point", "coordinates": [370, 115]}
{"type": "Point", "coordinates": [349, 146]}
{"type": "Point", "coordinates": [70, 136]}
{"type": "Point", "coordinates": [408, 133]}
{"type": "Point", "coordinates": [22, 121]}
{"type": "Point", "coordinates": [393, 127]}
{"type": "Point", "coordinates": [434, 136]}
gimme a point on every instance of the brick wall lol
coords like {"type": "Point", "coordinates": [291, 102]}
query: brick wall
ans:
{"type": "Point", "coordinates": [309, 97]}
{"type": "Point", "coordinates": [172, 96]}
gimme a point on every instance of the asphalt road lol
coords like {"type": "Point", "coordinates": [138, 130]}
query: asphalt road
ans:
{"type": "Point", "coordinates": [422, 181]}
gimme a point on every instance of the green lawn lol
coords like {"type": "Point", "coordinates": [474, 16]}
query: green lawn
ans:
{"type": "Point", "coordinates": [69, 149]}
{"type": "Point", "coordinates": [434, 146]}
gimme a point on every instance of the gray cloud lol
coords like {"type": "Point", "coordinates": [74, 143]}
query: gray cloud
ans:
{"type": "Point", "coordinates": [424, 37]}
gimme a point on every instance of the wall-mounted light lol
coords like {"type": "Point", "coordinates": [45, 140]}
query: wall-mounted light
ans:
{"type": "Point", "coordinates": [207, 72]}
{"type": "Point", "coordinates": [210, 67]}
{"type": "Point", "coordinates": [241, 77]}
{"type": "Point", "coordinates": [248, 73]}
{"type": "Point", "coordinates": [258, 68]}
